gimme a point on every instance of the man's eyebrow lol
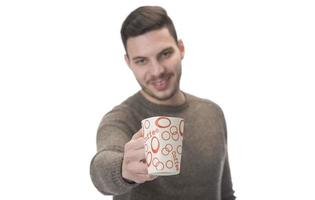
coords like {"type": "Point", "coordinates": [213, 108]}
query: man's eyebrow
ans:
{"type": "Point", "coordinates": [159, 54]}
{"type": "Point", "coordinates": [166, 49]}
{"type": "Point", "coordinates": [138, 58]}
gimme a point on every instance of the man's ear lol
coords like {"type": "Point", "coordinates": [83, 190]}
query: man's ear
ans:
{"type": "Point", "coordinates": [181, 48]}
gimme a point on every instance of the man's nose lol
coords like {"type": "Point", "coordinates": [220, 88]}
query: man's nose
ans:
{"type": "Point", "coordinates": [157, 68]}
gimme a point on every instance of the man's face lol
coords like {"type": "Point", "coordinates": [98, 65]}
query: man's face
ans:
{"type": "Point", "coordinates": [155, 59]}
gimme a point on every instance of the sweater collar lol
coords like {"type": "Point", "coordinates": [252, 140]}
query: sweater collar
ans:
{"type": "Point", "coordinates": [159, 108]}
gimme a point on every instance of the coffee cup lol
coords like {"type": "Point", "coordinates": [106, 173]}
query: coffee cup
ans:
{"type": "Point", "coordinates": [163, 146]}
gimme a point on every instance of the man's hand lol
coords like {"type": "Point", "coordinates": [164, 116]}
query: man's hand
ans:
{"type": "Point", "coordinates": [134, 167]}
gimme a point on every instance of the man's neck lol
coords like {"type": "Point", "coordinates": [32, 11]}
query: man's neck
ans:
{"type": "Point", "coordinates": [176, 100]}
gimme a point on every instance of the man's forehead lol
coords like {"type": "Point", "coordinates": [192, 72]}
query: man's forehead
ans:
{"type": "Point", "coordinates": [150, 43]}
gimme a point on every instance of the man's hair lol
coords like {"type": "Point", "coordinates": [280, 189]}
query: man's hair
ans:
{"type": "Point", "coordinates": [145, 19]}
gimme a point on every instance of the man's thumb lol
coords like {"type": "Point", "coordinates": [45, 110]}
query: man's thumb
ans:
{"type": "Point", "coordinates": [138, 134]}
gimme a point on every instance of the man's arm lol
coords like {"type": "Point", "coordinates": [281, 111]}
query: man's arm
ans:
{"type": "Point", "coordinates": [119, 163]}
{"type": "Point", "coordinates": [106, 165]}
{"type": "Point", "coordinates": [227, 192]}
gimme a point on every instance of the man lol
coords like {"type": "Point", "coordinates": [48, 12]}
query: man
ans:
{"type": "Point", "coordinates": [154, 54]}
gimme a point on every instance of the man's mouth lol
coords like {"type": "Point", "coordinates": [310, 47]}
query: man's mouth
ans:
{"type": "Point", "coordinates": [161, 84]}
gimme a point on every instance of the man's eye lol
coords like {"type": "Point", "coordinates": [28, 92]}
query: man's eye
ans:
{"type": "Point", "coordinates": [166, 54]}
{"type": "Point", "coordinates": [141, 61]}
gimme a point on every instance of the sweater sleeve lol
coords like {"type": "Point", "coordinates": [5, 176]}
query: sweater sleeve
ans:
{"type": "Point", "coordinates": [227, 192]}
{"type": "Point", "coordinates": [105, 167]}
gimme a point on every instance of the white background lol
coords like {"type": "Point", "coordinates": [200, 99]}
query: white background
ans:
{"type": "Point", "coordinates": [62, 69]}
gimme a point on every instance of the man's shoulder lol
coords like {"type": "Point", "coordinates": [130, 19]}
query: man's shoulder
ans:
{"type": "Point", "coordinates": [199, 101]}
{"type": "Point", "coordinates": [204, 106]}
{"type": "Point", "coordinates": [122, 113]}
{"type": "Point", "coordinates": [127, 105]}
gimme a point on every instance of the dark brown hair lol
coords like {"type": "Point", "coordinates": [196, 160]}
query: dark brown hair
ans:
{"type": "Point", "coordinates": [145, 19]}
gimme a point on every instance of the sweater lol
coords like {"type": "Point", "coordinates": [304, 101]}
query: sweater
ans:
{"type": "Point", "coordinates": [205, 172]}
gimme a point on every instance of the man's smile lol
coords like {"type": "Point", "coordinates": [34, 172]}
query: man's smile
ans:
{"type": "Point", "coordinates": [161, 83]}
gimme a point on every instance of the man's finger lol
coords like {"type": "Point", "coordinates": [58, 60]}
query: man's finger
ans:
{"type": "Point", "coordinates": [151, 177]}
{"type": "Point", "coordinates": [138, 134]}
{"type": "Point", "coordinates": [138, 144]}
{"type": "Point", "coordinates": [134, 145]}
{"type": "Point", "coordinates": [138, 168]}
{"type": "Point", "coordinates": [136, 155]}
{"type": "Point", "coordinates": [141, 178]}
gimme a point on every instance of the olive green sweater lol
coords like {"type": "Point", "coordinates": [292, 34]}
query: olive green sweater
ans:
{"type": "Point", "coordinates": [205, 172]}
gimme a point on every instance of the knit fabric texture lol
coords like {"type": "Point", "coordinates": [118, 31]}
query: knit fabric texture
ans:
{"type": "Point", "coordinates": [205, 172]}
